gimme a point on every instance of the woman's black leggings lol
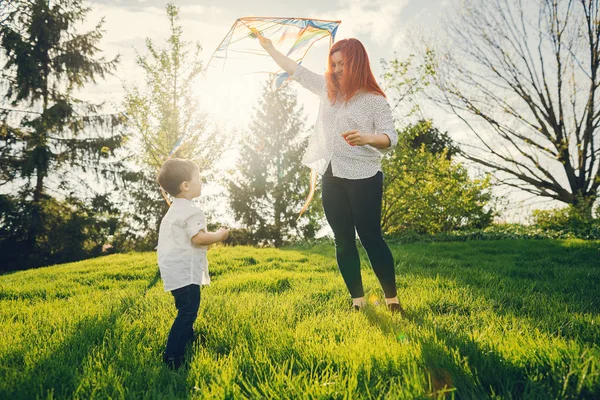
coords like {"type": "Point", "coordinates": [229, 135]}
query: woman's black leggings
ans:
{"type": "Point", "coordinates": [356, 203]}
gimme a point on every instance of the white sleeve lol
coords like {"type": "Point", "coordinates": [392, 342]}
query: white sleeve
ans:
{"type": "Point", "coordinates": [384, 123]}
{"type": "Point", "coordinates": [314, 82]}
{"type": "Point", "coordinates": [195, 223]}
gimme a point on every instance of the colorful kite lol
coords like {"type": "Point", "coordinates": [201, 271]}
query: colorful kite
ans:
{"type": "Point", "coordinates": [291, 36]}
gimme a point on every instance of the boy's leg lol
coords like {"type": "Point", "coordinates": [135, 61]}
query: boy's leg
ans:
{"type": "Point", "coordinates": [187, 301]}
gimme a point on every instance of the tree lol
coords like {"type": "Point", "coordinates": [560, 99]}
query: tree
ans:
{"type": "Point", "coordinates": [52, 142]}
{"type": "Point", "coordinates": [425, 191]}
{"type": "Point", "coordinates": [268, 190]}
{"type": "Point", "coordinates": [524, 77]}
{"type": "Point", "coordinates": [165, 121]}
{"type": "Point", "coordinates": [424, 133]}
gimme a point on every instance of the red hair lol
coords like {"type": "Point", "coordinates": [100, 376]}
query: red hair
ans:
{"type": "Point", "coordinates": [357, 74]}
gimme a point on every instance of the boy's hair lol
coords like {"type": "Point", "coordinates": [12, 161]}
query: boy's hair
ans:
{"type": "Point", "coordinates": [174, 172]}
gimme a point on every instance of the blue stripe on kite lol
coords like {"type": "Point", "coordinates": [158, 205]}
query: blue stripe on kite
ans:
{"type": "Point", "coordinates": [303, 23]}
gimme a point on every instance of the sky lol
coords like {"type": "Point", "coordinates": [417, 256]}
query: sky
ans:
{"type": "Point", "coordinates": [380, 25]}
{"type": "Point", "coordinates": [383, 26]}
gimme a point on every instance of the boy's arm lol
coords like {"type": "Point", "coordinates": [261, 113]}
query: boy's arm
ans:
{"type": "Point", "coordinates": [196, 230]}
{"type": "Point", "coordinates": [207, 238]}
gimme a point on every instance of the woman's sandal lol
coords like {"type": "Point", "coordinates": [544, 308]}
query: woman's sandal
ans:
{"type": "Point", "coordinates": [396, 308]}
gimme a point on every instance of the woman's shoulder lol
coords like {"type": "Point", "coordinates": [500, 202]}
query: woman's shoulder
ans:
{"type": "Point", "coordinates": [375, 96]}
{"type": "Point", "coordinates": [368, 98]}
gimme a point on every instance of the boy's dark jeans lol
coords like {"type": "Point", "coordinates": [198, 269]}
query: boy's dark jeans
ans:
{"type": "Point", "coordinates": [187, 301]}
{"type": "Point", "coordinates": [351, 204]}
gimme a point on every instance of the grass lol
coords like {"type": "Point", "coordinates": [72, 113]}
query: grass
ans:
{"type": "Point", "coordinates": [494, 319]}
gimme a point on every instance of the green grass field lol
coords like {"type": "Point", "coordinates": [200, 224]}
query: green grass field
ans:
{"type": "Point", "coordinates": [497, 319]}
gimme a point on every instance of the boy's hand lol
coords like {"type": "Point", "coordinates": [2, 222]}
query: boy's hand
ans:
{"type": "Point", "coordinates": [224, 232]}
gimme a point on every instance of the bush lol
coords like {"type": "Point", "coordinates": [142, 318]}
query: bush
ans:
{"type": "Point", "coordinates": [567, 221]}
{"type": "Point", "coordinates": [426, 191]}
{"type": "Point", "coordinates": [494, 232]}
{"type": "Point", "coordinates": [71, 230]}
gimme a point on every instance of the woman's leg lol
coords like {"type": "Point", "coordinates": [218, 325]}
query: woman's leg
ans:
{"type": "Point", "coordinates": [339, 216]}
{"type": "Point", "coordinates": [365, 198]}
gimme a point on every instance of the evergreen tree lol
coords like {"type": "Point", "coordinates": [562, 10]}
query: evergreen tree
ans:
{"type": "Point", "coordinates": [269, 188]}
{"type": "Point", "coordinates": [164, 120]}
{"type": "Point", "coordinates": [51, 141]}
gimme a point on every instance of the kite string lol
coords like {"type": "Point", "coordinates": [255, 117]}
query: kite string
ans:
{"type": "Point", "coordinates": [311, 192]}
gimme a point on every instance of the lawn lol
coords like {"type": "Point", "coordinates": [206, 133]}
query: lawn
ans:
{"type": "Point", "coordinates": [490, 319]}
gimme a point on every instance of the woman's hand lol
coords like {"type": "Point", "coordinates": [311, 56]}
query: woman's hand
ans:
{"type": "Point", "coordinates": [284, 62]}
{"type": "Point", "coordinates": [355, 138]}
{"type": "Point", "coordinates": [264, 42]}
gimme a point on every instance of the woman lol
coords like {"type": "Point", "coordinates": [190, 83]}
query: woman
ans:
{"type": "Point", "coordinates": [353, 129]}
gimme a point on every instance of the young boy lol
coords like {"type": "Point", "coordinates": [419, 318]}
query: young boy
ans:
{"type": "Point", "coordinates": [182, 245]}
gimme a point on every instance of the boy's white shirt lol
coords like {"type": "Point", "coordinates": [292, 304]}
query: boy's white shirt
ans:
{"type": "Point", "coordinates": [182, 263]}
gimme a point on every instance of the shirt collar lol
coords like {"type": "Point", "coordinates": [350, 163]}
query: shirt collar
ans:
{"type": "Point", "coordinates": [181, 200]}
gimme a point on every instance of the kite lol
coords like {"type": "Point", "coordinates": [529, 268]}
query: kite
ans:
{"type": "Point", "coordinates": [291, 36]}
{"type": "Point", "coordinates": [240, 52]}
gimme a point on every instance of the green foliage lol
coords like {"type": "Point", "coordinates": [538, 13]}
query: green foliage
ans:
{"type": "Point", "coordinates": [269, 187]}
{"type": "Point", "coordinates": [164, 116]}
{"type": "Point", "coordinates": [493, 232]}
{"type": "Point", "coordinates": [501, 319]}
{"type": "Point", "coordinates": [425, 191]}
{"type": "Point", "coordinates": [552, 219]}
{"type": "Point", "coordinates": [434, 141]}
{"type": "Point", "coordinates": [569, 221]}
{"type": "Point", "coordinates": [405, 81]}
{"type": "Point", "coordinates": [141, 209]}
{"type": "Point", "coordinates": [71, 230]}
{"type": "Point", "coordinates": [239, 237]}
{"type": "Point", "coordinates": [52, 144]}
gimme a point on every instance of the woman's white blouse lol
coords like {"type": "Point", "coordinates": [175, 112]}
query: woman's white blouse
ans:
{"type": "Point", "coordinates": [182, 263]}
{"type": "Point", "coordinates": [370, 113]}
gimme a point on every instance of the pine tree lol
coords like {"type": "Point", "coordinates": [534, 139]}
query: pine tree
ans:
{"type": "Point", "coordinates": [166, 110]}
{"type": "Point", "coordinates": [51, 141]}
{"type": "Point", "coordinates": [164, 120]}
{"type": "Point", "coordinates": [270, 185]}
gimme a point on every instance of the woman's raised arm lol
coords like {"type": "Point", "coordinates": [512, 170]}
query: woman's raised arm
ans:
{"type": "Point", "coordinates": [286, 63]}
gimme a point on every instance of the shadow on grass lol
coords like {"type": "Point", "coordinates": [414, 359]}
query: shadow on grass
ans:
{"type": "Point", "coordinates": [153, 282]}
{"type": "Point", "coordinates": [457, 366]}
{"type": "Point", "coordinates": [62, 373]}
{"type": "Point", "coordinates": [546, 283]}
{"type": "Point", "coordinates": [541, 281]}
{"type": "Point", "coordinates": [59, 372]}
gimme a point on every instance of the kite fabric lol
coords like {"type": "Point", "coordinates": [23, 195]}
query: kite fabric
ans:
{"type": "Point", "coordinates": [240, 52]}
